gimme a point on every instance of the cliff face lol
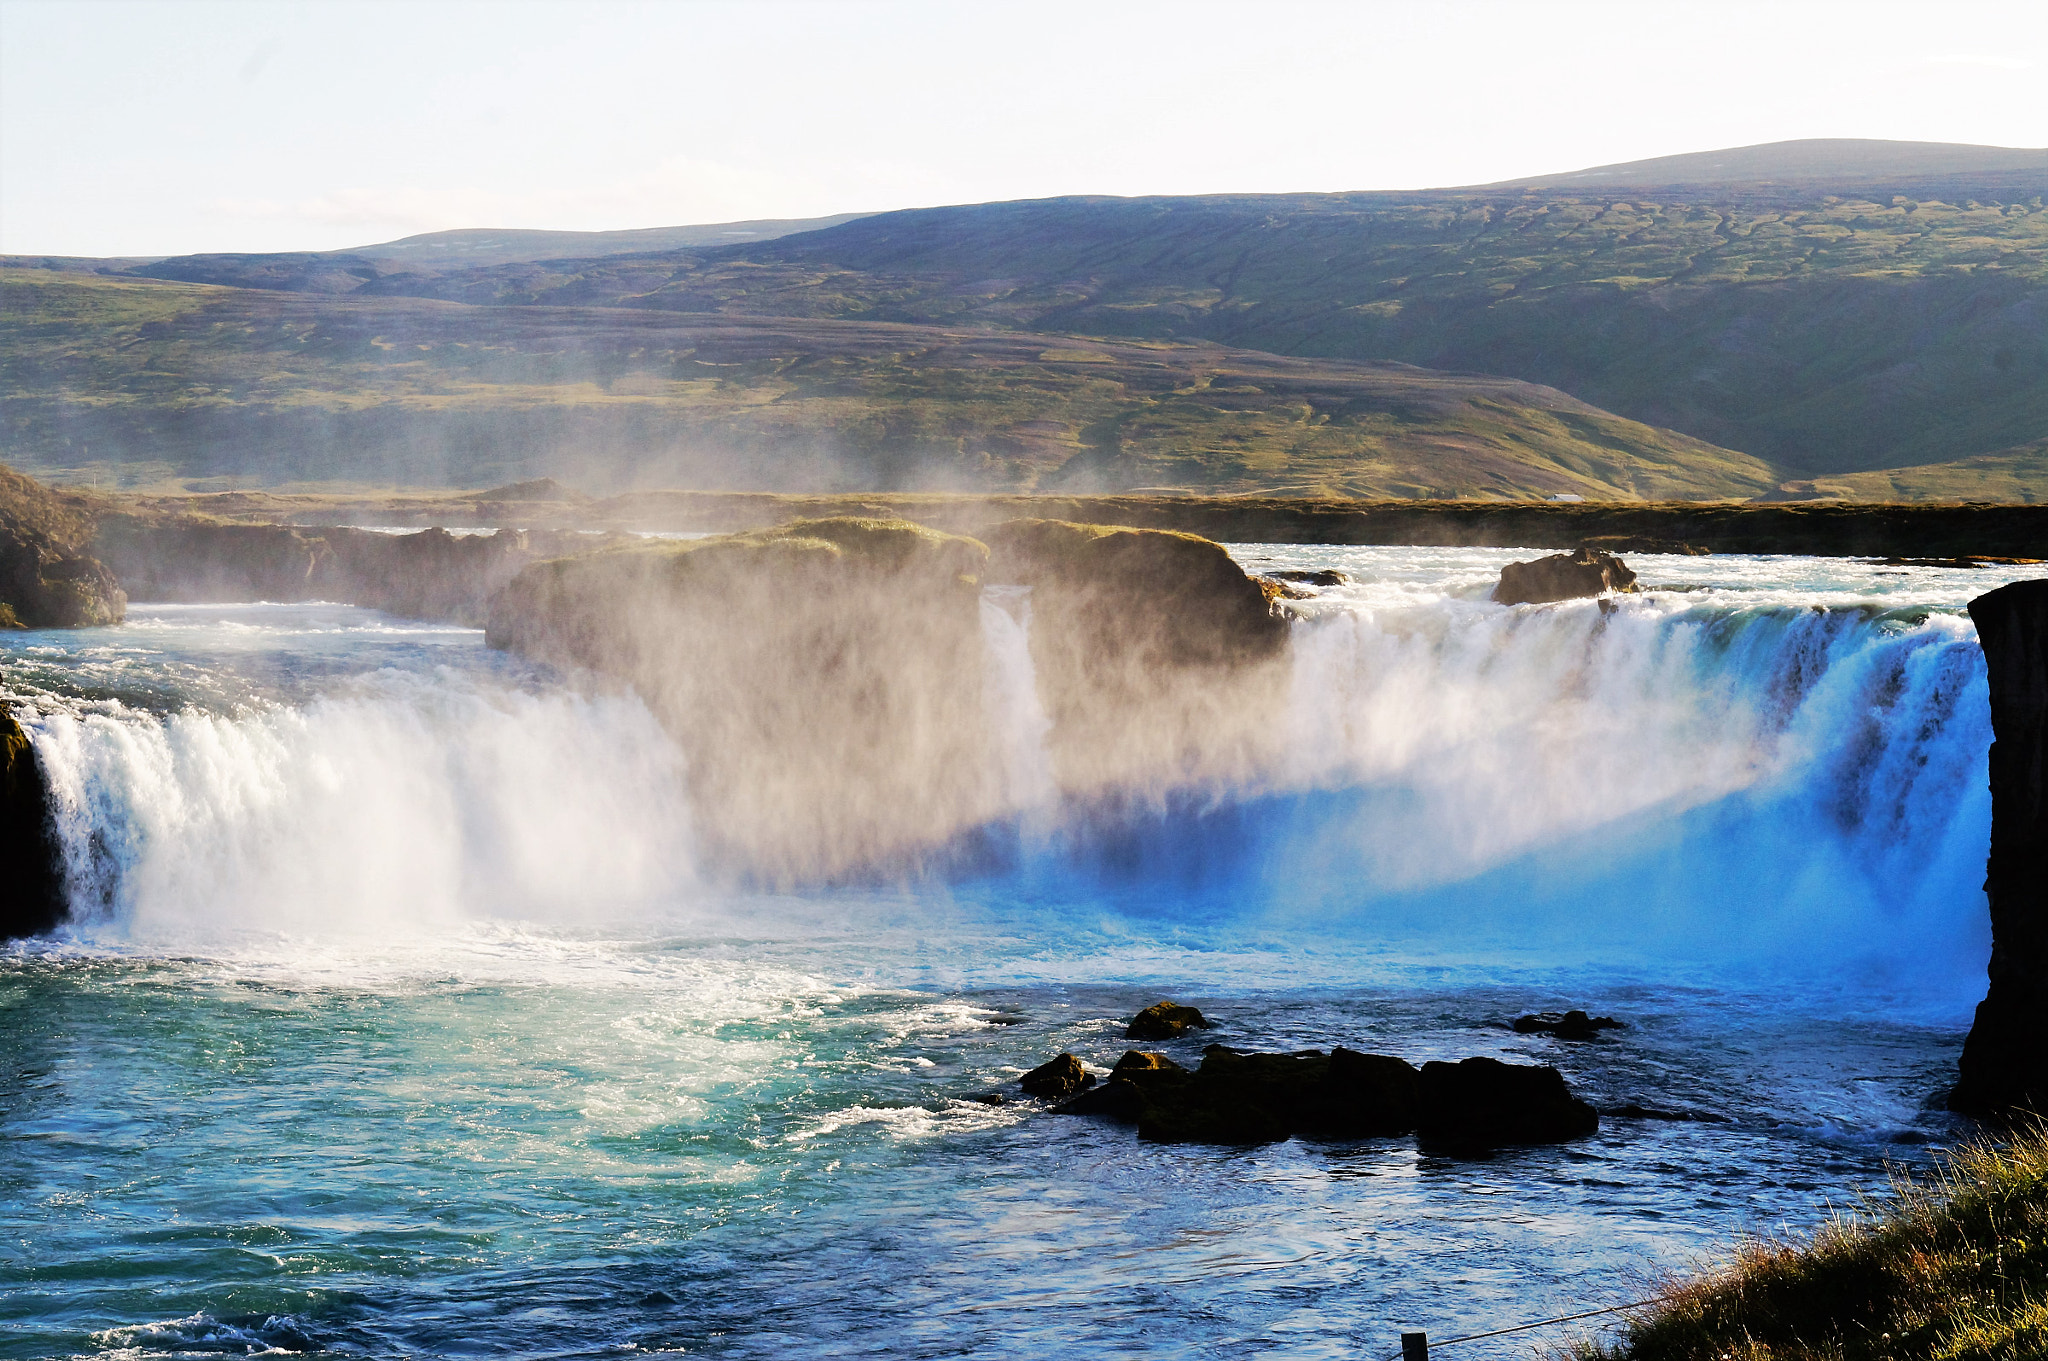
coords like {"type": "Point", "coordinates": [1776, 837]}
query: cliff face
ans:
{"type": "Point", "coordinates": [2005, 1063]}
{"type": "Point", "coordinates": [828, 680]}
{"type": "Point", "coordinates": [48, 575]}
{"type": "Point", "coordinates": [31, 872]}
{"type": "Point", "coordinates": [428, 575]}
{"type": "Point", "coordinates": [1159, 662]}
{"type": "Point", "coordinates": [824, 680]}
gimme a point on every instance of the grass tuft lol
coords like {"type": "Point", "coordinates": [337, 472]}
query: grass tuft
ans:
{"type": "Point", "coordinates": [1953, 1267]}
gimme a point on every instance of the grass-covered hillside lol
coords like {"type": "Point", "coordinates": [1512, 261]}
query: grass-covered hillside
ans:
{"type": "Point", "coordinates": [1954, 1270]}
{"type": "Point", "coordinates": [1827, 334]}
{"type": "Point", "coordinates": [139, 382]}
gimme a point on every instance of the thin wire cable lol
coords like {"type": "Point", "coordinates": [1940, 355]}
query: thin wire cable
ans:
{"type": "Point", "coordinates": [1545, 1322]}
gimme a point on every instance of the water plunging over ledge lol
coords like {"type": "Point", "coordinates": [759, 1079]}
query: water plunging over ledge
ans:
{"type": "Point", "coordinates": [403, 1014]}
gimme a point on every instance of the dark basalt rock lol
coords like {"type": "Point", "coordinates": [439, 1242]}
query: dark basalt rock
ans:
{"type": "Point", "coordinates": [1565, 1025]}
{"type": "Point", "coordinates": [1563, 576]}
{"type": "Point", "coordinates": [1056, 1078]}
{"type": "Point", "coordinates": [1237, 1097]}
{"type": "Point", "coordinates": [1483, 1104]}
{"type": "Point", "coordinates": [1123, 1096]}
{"type": "Point", "coordinates": [2004, 1068]}
{"type": "Point", "coordinates": [1165, 1021]}
{"type": "Point", "coordinates": [32, 896]}
{"type": "Point", "coordinates": [1325, 576]}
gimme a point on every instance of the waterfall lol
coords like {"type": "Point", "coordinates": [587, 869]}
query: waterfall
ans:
{"type": "Point", "coordinates": [1014, 710]}
{"type": "Point", "coordinates": [395, 802]}
{"type": "Point", "coordinates": [1684, 780]}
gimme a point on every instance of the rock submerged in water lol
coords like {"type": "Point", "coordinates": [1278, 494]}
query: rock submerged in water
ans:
{"type": "Point", "coordinates": [1056, 1078]}
{"type": "Point", "coordinates": [1322, 576]}
{"type": "Point", "coordinates": [1565, 1025]}
{"type": "Point", "coordinates": [1166, 1021]}
{"type": "Point", "coordinates": [1563, 576]}
{"type": "Point", "coordinates": [1483, 1103]}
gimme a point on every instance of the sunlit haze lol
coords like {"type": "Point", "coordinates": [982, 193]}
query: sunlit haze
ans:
{"type": "Point", "coordinates": [164, 127]}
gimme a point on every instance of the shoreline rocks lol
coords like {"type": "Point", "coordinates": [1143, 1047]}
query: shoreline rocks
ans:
{"type": "Point", "coordinates": [1563, 576]}
{"type": "Point", "coordinates": [2004, 1065]}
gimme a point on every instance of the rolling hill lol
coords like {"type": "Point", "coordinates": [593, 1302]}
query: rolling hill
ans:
{"type": "Point", "coordinates": [1828, 337]}
{"type": "Point", "coordinates": [139, 382]}
{"type": "Point", "coordinates": [1863, 317]}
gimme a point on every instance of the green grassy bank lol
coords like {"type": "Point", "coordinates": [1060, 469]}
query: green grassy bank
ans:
{"type": "Point", "coordinates": [1953, 1268]}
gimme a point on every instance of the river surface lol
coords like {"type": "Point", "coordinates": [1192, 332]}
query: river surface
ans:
{"type": "Point", "coordinates": [397, 1018]}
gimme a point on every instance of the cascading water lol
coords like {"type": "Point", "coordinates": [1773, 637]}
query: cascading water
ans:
{"type": "Point", "coordinates": [399, 1015]}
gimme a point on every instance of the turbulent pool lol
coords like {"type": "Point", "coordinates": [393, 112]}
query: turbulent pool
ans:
{"type": "Point", "coordinates": [398, 1018]}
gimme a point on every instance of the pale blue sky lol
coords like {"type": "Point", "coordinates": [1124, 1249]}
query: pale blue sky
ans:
{"type": "Point", "coordinates": [163, 126]}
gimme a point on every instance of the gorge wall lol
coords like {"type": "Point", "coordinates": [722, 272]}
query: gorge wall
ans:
{"type": "Point", "coordinates": [2005, 1063]}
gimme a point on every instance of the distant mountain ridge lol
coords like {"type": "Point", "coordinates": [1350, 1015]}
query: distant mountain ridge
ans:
{"type": "Point", "coordinates": [470, 247]}
{"type": "Point", "coordinates": [1808, 163]}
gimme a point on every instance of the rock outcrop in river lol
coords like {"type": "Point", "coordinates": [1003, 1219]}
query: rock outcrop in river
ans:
{"type": "Point", "coordinates": [48, 575]}
{"type": "Point", "coordinates": [2005, 1063]}
{"type": "Point", "coordinates": [31, 870]}
{"type": "Point", "coordinates": [1241, 1097]}
{"type": "Point", "coordinates": [1563, 576]}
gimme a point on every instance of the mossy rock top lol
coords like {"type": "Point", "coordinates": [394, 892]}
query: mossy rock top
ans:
{"type": "Point", "coordinates": [831, 542]}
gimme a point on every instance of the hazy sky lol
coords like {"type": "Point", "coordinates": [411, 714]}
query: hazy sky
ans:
{"type": "Point", "coordinates": [181, 125]}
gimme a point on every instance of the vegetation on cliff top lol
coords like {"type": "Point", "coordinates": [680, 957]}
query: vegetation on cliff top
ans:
{"type": "Point", "coordinates": [165, 382]}
{"type": "Point", "coordinates": [1953, 1269]}
{"type": "Point", "coordinates": [48, 575]}
{"type": "Point", "coordinates": [1826, 333]}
